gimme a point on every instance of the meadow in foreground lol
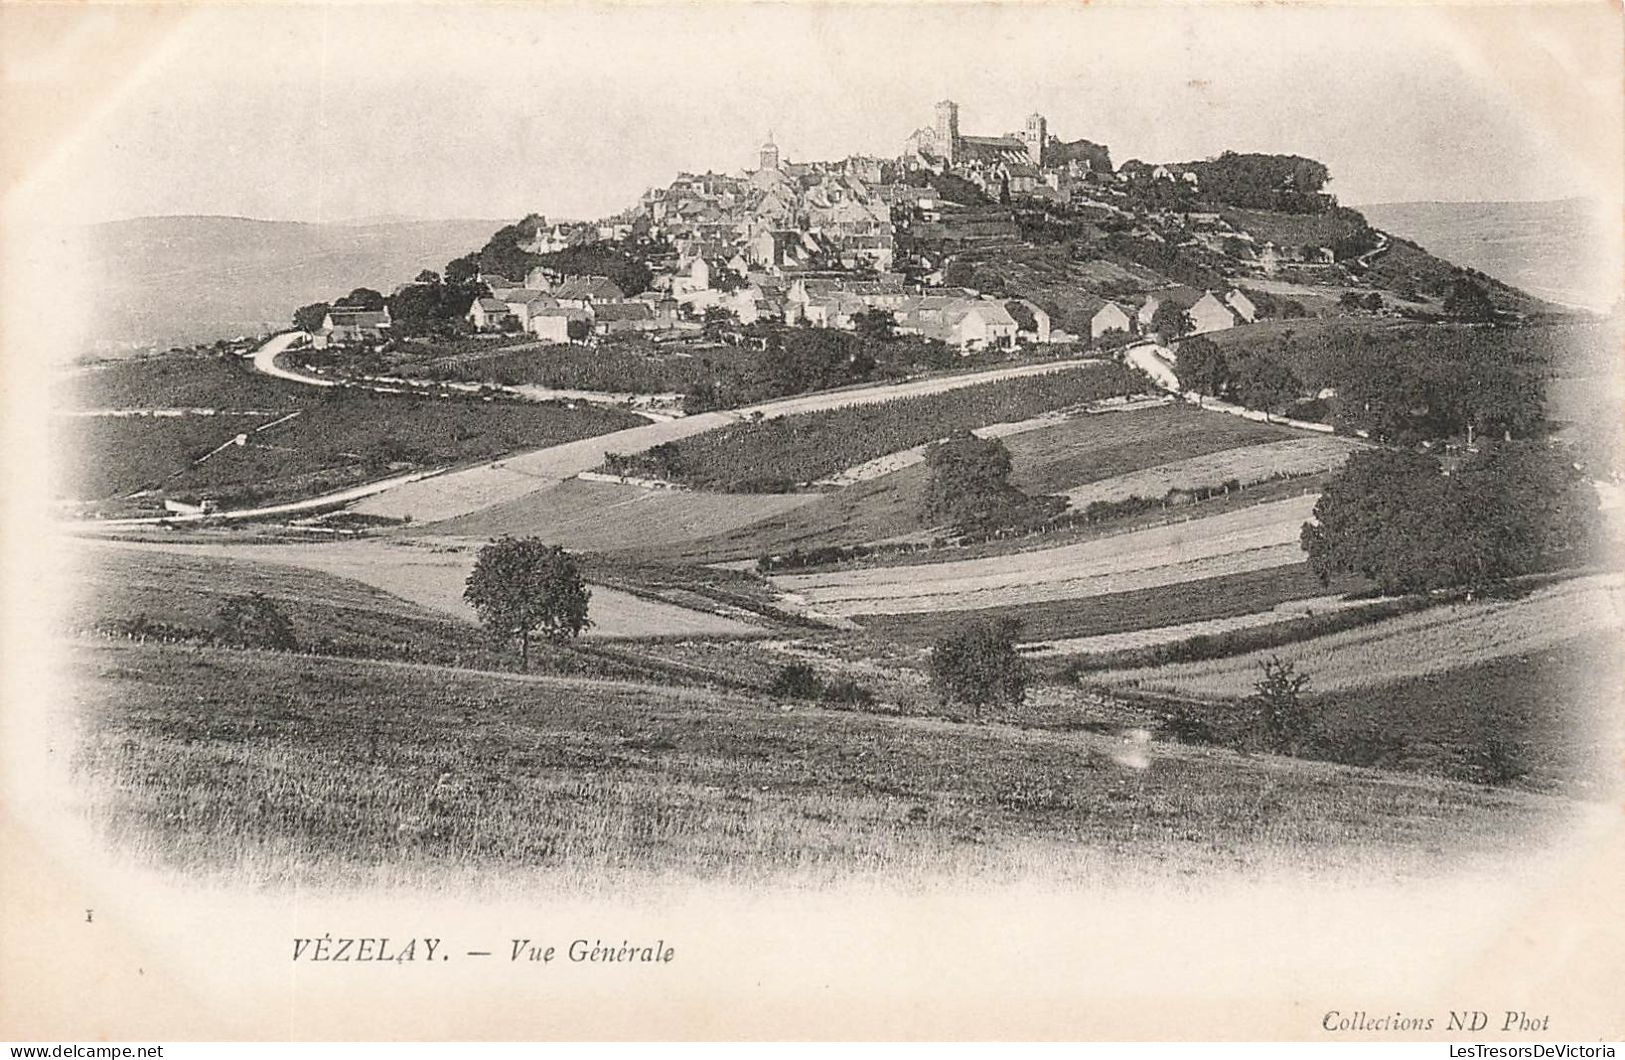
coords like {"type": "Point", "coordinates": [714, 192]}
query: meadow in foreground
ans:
{"type": "Point", "coordinates": [271, 769]}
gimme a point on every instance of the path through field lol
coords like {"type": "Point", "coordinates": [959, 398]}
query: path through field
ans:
{"type": "Point", "coordinates": [1254, 538]}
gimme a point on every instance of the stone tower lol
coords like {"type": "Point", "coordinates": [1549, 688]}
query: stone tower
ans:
{"type": "Point", "coordinates": [1035, 135]}
{"type": "Point", "coordinates": [948, 130]}
{"type": "Point", "coordinates": [770, 153]}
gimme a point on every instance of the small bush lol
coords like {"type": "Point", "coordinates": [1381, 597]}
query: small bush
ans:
{"type": "Point", "coordinates": [978, 665]}
{"type": "Point", "coordinates": [796, 680]}
{"type": "Point", "coordinates": [255, 621]}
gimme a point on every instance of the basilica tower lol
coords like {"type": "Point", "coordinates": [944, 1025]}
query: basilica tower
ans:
{"type": "Point", "coordinates": [948, 130]}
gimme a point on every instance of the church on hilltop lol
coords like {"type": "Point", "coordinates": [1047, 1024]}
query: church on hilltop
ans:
{"type": "Point", "coordinates": [943, 142]}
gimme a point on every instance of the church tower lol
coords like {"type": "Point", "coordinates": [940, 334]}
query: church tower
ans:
{"type": "Point", "coordinates": [948, 130]}
{"type": "Point", "coordinates": [1035, 136]}
{"type": "Point", "coordinates": [770, 153]}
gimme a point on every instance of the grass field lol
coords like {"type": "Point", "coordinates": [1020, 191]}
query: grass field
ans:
{"type": "Point", "coordinates": [1545, 717]}
{"type": "Point", "coordinates": [1089, 448]}
{"type": "Point", "coordinates": [1112, 613]}
{"type": "Point", "coordinates": [1252, 538]}
{"type": "Point", "coordinates": [179, 381]}
{"type": "Point", "coordinates": [1065, 455]}
{"type": "Point", "coordinates": [180, 594]}
{"type": "Point", "coordinates": [606, 516]}
{"type": "Point", "coordinates": [265, 770]}
{"type": "Point", "coordinates": [777, 455]}
{"type": "Point", "coordinates": [1244, 465]}
{"type": "Point", "coordinates": [433, 577]}
{"type": "Point", "coordinates": [1411, 646]}
{"type": "Point", "coordinates": [338, 440]}
{"type": "Point", "coordinates": [638, 369]}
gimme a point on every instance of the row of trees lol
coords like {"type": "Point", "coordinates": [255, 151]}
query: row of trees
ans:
{"type": "Point", "coordinates": [1466, 390]}
{"type": "Point", "coordinates": [1257, 379]}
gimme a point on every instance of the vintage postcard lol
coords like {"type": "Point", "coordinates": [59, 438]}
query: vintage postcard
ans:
{"type": "Point", "coordinates": [812, 521]}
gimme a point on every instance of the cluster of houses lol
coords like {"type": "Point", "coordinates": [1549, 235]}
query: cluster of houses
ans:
{"type": "Point", "coordinates": [814, 243]}
{"type": "Point", "coordinates": [568, 309]}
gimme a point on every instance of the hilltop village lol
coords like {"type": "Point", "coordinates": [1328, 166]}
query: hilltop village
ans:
{"type": "Point", "coordinates": [943, 511]}
{"type": "Point", "coordinates": [977, 242]}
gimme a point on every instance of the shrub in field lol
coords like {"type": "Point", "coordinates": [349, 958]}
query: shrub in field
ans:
{"type": "Point", "coordinates": [1497, 760]}
{"type": "Point", "coordinates": [977, 665]}
{"type": "Point", "coordinates": [523, 586]}
{"type": "Point", "coordinates": [968, 485]}
{"type": "Point", "coordinates": [255, 621]}
{"type": "Point", "coordinates": [798, 680]}
{"type": "Point", "coordinates": [1283, 716]}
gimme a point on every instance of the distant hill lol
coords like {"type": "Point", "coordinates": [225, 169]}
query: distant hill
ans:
{"type": "Point", "coordinates": [168, 280]}
{"type": "Point", "coordinates": [1561, 250]}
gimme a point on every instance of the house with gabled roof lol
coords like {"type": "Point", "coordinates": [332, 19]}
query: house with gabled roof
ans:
{"type": "Point", "coordinates": [1206, 310]}
{"type": "Point", "coordinates": [343, 327]}
{"type": "Point", "coordinates": [489, 314]}
{"type": "Point", "coordinates": [1103, 316]}
{"type": "Point", "coordinates": [578, 292]}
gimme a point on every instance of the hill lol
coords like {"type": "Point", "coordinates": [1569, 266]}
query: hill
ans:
{"type": "Point", "coordinates": [1557, 250]}
{"type": "Point", "coordinates": [173, 280]}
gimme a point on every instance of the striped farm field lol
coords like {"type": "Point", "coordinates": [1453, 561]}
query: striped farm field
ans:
{"type": "Point", "coordinates": [1253, 538]}
{"type": "Point", "coordinates": [1417, 645]}
{"type": "Point", "coordinates": [607, 516]}
{"type": "Point", "coordinates": [1085, 449]}
{"type": "Point", "coordinates": [1245, 465]}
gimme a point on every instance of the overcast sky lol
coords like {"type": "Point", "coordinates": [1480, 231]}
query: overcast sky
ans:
{"type": "Point", "coordinates": [492, 112]}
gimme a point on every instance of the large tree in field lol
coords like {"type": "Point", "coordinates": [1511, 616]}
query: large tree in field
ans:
{"type": "Point", "coordinates": [523, 587]}
{"type": "Point", "coordinates": [968, 486]}
{"type": "Point", "coordinates": [1392, 516]}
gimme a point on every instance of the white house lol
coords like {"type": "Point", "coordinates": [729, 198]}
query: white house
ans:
{"type": "Point", "coordinates": [488, 314]}
{"type": "Point", "coordinates": [1206, 311]}
{"type": "Point", "coordinates": [1106, 316]}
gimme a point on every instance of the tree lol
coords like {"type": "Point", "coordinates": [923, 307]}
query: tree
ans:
{"type": "Point", "coordinates": [803, 359]}
{"type": "Point", "coordinates": [578, 329]}
{"type": "Point", "coordinates": [1468, 301]}
{"type": "Point", "coordinates": [968, 486]}
{"type": "Point", "coordinates": [522, 587]}
{"type": "Point", "coordinates": [1393, 517]}
{"type": "Point", "coordinates": [362, 298]}
{"type": "Point", "coordinates": [1278, 702]}
{"type": "Point", "coordinates": [875, 325]}
{"type": "Point", "coordinates": [718, 323]}
{"type": "Point", "coordinates": [463, 269]}
{"type": "Point", "coordinates": [1170, 321]}
{"type": "Point", "coordinates": [255, 621]}
{"type": "Point", "coordinates": [1201, 366]}
{"type": "Point", "coordinates": [978, 666]}
{"type": "Point", "coordinates": [310, 317]}
{"type": "Point", "coordinates": [427, 276]}
{"type": "Point", "coordinates": [1262, 382]}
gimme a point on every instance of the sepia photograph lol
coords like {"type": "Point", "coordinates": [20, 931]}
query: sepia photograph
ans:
{"type": "Point", "coordinates": [813, 521]}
